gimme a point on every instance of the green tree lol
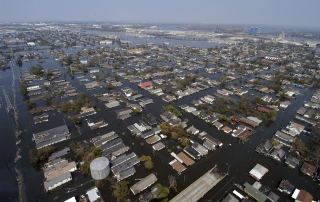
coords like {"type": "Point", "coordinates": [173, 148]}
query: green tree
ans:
{"type": "Point", "coordinates": [137, 110]}
{"type": "Point", "coordinates": [75, 120]}
{"type": "Point", "coordinates": [121, 190]}
{"type": "Point", "coordinates": [272, 115]}
{"type": "Point", "coordinates": [23, 91]}
{"type": "Point", "coordinates": [116, 77]}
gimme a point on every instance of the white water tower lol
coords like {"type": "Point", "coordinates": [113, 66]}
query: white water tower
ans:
{"type": "Point", "coordinates": [100, 168]}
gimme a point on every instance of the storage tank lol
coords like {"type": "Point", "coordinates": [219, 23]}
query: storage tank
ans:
{"type": "Point", "coordinates": [100, 168]}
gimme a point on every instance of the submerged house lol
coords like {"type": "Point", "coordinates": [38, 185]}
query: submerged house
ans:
{"type": "Point", "coordinates": [258, 172]}
{"type": "Point", "coordinates": [308, 169]}
{"type": "Point", "coordinates": [286, 187]}
{"type": "Point", "coordinates": [57, 181]}
{"type": "Point", "coordinates": [292, 162]}
{"type": "Point", "coordinates": [254, 193]}
{"type": "Point", "coordinates": [277, 154]}
{"type": "Point", "coordinates": [51, 136]}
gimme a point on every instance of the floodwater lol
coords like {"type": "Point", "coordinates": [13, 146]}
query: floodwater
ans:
{"type": "Point", "coordinates": [234, 157]}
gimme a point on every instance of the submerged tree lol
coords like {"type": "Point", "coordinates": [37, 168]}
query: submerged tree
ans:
{"type": "Point", "coordinates": [173, 183]}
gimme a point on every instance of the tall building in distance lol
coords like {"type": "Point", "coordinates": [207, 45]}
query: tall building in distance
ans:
{"type": "Point", "coordinates": [253, 31]}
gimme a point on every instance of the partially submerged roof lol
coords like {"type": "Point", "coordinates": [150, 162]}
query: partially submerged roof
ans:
{"type": "Point", "coordinates": [253, 192]}
{"type": "Point", "coordinates": [258, 171]}
{"type": "Point", "coordinates": [230, 198]}
{"type": "Point", "coordinates": [143, 184]}
{"type": "Point", "coordinates": [188, 161]}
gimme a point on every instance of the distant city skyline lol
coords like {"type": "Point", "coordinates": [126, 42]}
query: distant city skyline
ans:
{"type": "Point", "coordinates": [294, 13]}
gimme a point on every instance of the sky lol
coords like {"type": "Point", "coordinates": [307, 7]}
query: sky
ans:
{"type": "Point", "coordinates": [292, 13]}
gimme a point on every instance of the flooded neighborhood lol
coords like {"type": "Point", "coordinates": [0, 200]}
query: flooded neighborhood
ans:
{"type": "Point", "coordinates": [158, 112]}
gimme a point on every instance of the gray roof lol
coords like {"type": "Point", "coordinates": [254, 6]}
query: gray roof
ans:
{"type": "Point", "coordinates": [50, 134]}
{"type": "Point", "coordinates": [143, 184]}
{"type": "Point", "coordinates": [291, 161]}
{"type": "Point", "coordinates": [121, 159]}
{"type": "Point", "coordinates": [57, 179]}
{"type": "Point", "coordinates": [147, 134]}
{"type": "Point", "coordinates": [111, 144]}
{"type": "Point", "coordinates": [199, 148]}
{"type": "Point", "coordinates": [125, 165]}
{"type": "Point", "coordinates": [278, 153]}
{"type": "Point", "coordinates": [113, 149]}
{"type": "Point", "coordinates": [126, 173]}
{"type": "Point", "coordinates": [158, 146]}
{"type": "Point", "coordinates": [58, 154]}
{"type": "Point", "coordinates": [301, 110]}
{"type": "Point", "coordinates": [230, 198]}
{"type": "Point", "coordinates": [273, 197]}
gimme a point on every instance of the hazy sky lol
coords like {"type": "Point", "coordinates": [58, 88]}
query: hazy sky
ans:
{"type": "Point", "coordinates": [259, 12]}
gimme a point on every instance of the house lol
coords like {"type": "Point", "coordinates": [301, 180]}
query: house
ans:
{"type": "Point", "coordinates": [51, 136]}
{"type": "Point", "coordinates": [177, 165]}
{"type": "Point", "coordinates": [237, 132]}
{"type": "Point", "coordinates": [218, 125]}
{"type": "Point", "coordinates": [33, 87]}
{"type": "Point", "coordinates": [183, 107]}
{"type": "Point", "coordinates": [292, 162]}
{"type": "Point", "coordinates": [254, 119]}
{"type": "Point", "coordinates": [264, 147]}
{"type": "Point", "coordinates": [94, 195]}
{"type": "Point", "coordinates": [302, 196]}
{"type": "Point", "coordinates": [188, 161]}
{"type": "Point", "coordinates": [301, 111]}
{"type": "Point", "coordinates": [262, 109]}
{"type": "Point", "coordinates": [308, 169]}
{"type": "Point", "coordinates": [285, 186]}
{"type": "Point", "coordinates": [145, 84]}
{"type": "Point", "coordinates": [277, 154]}
{"type": "Point", "coordinates": [230, 198]}
{"type": "Point", "coordinates": [57, 181]}
{"type": "Point", "coordinates": [213, 140]}
{"type": "Point", "coordinates": [293, 129]}
{"type": "Point", "coordinates": [282, 136]}
{"type": "Point", "coordinates": [309, 113]}
{"type": "Point", "coordinates": [199, 148]}
{"type": "Point", "coordinates": [254, 193]}
{"type": "Point", "coordinates": [192, 130]}
{"type": "Point", "coordinates": [226, 129]}
{"type": "Point", "coordinates": [258, 172]}
{"type": "Point", "coordinates": [143, 184]}
{"type": "Point", "coordinates": [213, 119]}
{"type": "Point", "coordinates": [273, 197]}
{"type": "Point", "coordinates": [204, 116]}
{"type": "Point", "coordinates": [192, 153]}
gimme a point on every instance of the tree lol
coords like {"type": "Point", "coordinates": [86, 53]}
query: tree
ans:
{"type": "Point", "coordinates": [42, 154]}
{"type": "Point", "coordinates": [85, 169]}
{"type": "Point", "coordinates": [272, 115]}
{"type": "Point", "coordinates": [148, 165]}
{"type": "Point", "coordinates": [173, 183]}
{"type": "Point", "coordinates": [75, 120]}
{"type": "Point", "coordinates": [116, 77]}
{"type": "Point", "coordinates": [145, 158]}
{"type": "Point", "coordinates": [121, 190]}
{"type": "Point", "coordinates": [137, 110]}
{"type": "Point", "coordinates": [23, 91]}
